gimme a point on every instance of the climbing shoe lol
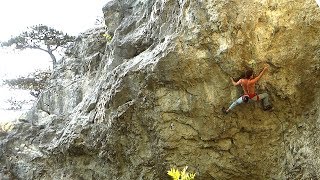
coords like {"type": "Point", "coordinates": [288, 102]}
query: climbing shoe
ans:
{"type": "Point", "coordinates": [224, 110]}
{"type": "Point", "coordinates": [267, 108]}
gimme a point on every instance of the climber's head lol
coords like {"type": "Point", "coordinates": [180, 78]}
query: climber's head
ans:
{"type": "Point", "coordinates": [248, 74]}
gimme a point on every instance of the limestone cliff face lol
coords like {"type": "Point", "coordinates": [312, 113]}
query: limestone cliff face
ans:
{"type": "Point", "coordinates": [151, 98]}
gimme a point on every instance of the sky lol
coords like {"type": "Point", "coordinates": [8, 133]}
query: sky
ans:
{"type": "Point", "coordinates": [69, 16]}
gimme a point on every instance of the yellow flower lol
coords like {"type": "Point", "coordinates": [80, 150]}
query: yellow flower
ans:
{"type": "Point", "coordinates": [183, 175]}
{"type": "Point", "coordinates": [175, 174]}
{"type": "Point", "coordinates": [192, 175]}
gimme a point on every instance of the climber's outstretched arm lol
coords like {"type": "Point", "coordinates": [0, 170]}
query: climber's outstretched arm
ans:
{"type": "Point", "coordinates": [266, 66]}
{"type": "Point", "coordinates": [235, 83]}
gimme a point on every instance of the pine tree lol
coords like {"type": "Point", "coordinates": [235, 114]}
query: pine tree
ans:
{"type": "Point", "coordinates": [40, 37]}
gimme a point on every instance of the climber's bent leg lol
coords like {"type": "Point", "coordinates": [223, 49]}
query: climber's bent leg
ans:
{"type": "Point", "coordinates": [264, 97]}
{"type": "Point", "coordinates": [235, 103]}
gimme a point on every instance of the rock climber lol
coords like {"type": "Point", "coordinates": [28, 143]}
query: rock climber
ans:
{"type": "Point", "coordinates": [248, 86]}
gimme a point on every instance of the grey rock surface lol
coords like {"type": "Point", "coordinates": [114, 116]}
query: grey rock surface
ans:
{"type": "Point", "coordinates": [151, 98]}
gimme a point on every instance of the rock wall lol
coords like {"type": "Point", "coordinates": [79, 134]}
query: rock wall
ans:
{"type": "Point", "coordinates": [151, 98]}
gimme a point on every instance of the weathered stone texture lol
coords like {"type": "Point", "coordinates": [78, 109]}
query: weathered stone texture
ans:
{"type": "Point", "coordinates": [151, 98]}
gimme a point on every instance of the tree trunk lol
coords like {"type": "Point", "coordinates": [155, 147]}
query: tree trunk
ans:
{"type": "Point", "coordinates": [54, 60]}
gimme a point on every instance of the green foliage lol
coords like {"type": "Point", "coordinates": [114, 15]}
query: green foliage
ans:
{"type": "Point", "coordinates": [40, 37]}
{"type": "Point", "coordinates": [35, 82]}
{"type": "Point", "coordinates": [181, 175]}
{"type": "Point", "coordinates": [107, 36]}
{"type": "Point", "coordinates": [16, 104]}
{"type": "Point", "coordinates": [100, 22]}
